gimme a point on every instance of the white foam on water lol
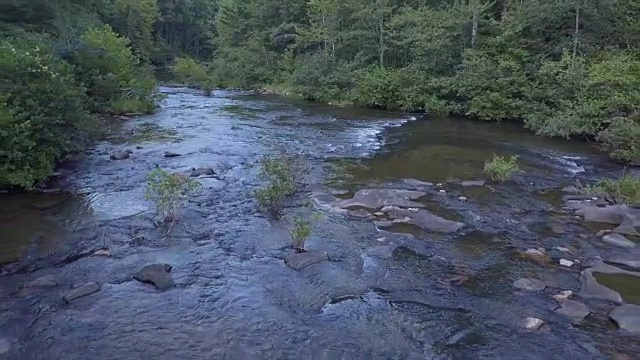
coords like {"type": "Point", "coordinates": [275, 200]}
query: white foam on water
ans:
{"type": "Point", "coordinates": [570, 165]}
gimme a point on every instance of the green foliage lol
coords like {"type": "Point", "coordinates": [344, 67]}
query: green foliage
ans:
{"type": "Point", "coordinates": [116, 82]}
{"type": "Point", "coordinates": [169, 192]}
{"type": "Point", "coordinates": [501, 168]}
{"type": "Point", "coordinates": [42, 113]}
{"type": "Point", "coordinates": [192, 73]}
{"type": "Point", "coordinates": [282, 176]}
{"type": "Point", "coordinates": [301, 230]}
{"type": "Point", "coordinates": [625, 189]}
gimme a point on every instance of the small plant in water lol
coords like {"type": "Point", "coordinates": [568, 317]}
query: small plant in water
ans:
{"type": "Point", "coordinates": [301, 230]}
{"type": "Point", "coordinates": [625, 189]}
{"type": "Point", "coordinates": [169, 192]}
{"type": "Point", "coordinates": [501, 168]}
{"type": "Point", "coordinates": [282, 176]}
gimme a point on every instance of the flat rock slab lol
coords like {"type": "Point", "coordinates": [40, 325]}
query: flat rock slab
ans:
{"type": "Point", "coordinates": [378, 198]}
{"type": "Point", "coordinates": [629, 258]}
{"type": "Point", "coordinates": [425, 220]}
{"type": "Point", "coordinates": [43, 281]}
{"type": "Point", "coordinates": [157, 275]}
{"type": "Point", "coordinates": [299, 261]}
{"type": "Point", "coordinates": [592, 289]}
{"type": "Point", "coordinates": [613, 214]}
{"type": "Point", "coordinates": [527, 284]}
{"type": "Point", "coordinates": [82, 291]}
{"type": "Point", "coordinates": [627, 317]}
{"type": "Point", "coordinates": [618, 240]}
{"type": "Point", "coordinates": [573, 309]}
{"type": "Point", "coordinates": [382, 251]}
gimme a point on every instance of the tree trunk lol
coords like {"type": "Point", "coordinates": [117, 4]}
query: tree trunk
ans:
{"type": "Point", "coordinates": [474, 28]}
{"type": "Point", "coordinates": [577, 29]}
{"type": "Point", "coordinates": [381, 41]}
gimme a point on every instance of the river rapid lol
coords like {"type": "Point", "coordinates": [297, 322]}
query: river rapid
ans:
{"type": "Point", "coordinates": [387, 292]}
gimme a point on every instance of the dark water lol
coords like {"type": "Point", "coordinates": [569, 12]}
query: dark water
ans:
{"type": "Point", "coordinates": [383, 294]}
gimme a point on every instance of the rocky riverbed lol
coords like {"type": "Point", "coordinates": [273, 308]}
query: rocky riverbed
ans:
{"type": "Point", "coordinates": [418, 255]}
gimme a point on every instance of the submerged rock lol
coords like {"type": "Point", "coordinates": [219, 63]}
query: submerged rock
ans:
{"type": "Point", "coordinates": [121, 155]}
{"type": "Point", "coordinates": [618, 240]}
{"type": "Point", "coordinates": [379, 198]}
{"type": "Point", "coordinates": [82, 291]}
{"type": "Point", "coordinates": [627, 317]}
{"type": "Point", "coordinates": [573, 309]}
{"type": "Point", "coordinates": [157, 275]}
{"type": "Point", "coordinates": [423, 219]}
{"type": "Point", "coordinates": [299, 261]}
{"type": "Point", "coordinates": [527, 284]}
{"type": "Point", "coordinates": [43, 281]}
{"type": "Point", "coordinates": [202, 172]}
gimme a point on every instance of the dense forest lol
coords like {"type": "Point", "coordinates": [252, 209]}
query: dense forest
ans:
{"type": "Point", "coordinates": [566, 68]}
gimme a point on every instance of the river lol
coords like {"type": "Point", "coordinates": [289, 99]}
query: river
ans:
{"type": "Point", "coordinates": [398, 292]}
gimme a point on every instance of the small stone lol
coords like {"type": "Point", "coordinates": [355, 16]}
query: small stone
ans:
{"type": "Point", "coordinates": [382, 239]}
{"type": "Point", "coordinates": [82, 291]}
{"type": "Point", "coordinates": [527, 284]}
{"type": "Point", "coordinates": [462, 198]}
{"type": "Point", "coordinates": [102, 252]}
{"type": "Point", "coordinates": [299, 261]}
{"type": "Point", "coordinates": [414, 210]}
{"type": "Point", "coordinates": [561, 249]}
{"type": "Point", "coordinates": [43, 281]}
{"type": "Point", "coordinates": [156, 274]}
{"type": "Point", "coordinates": [565, 262]}
{"type": "Point", "coordinates": [170, 154]}
{"type": "Point", "coordinates": [442, 192]}
{"type": "Point", "coordinates": [532, 323]}
{"type": "Point", "coordinates": [537, 256]}
{"type": "Point", "coordinates": [439, 184]}
{"type": "Point", "coordinates": [602, 233]}
{"type": "Point", "coordinates": [618, 240]}
{"type": "Point", "coordinates": [573, 309]}
{"type": "Point", "coordinates": [379, 213]}
{"type": "Point", "coordinates": [564, 295]}
{"type": "Point", "coordinates": [121, 155]}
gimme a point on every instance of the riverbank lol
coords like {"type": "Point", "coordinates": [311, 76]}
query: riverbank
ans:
{"type": "Point", "coordinates": [414, 270]}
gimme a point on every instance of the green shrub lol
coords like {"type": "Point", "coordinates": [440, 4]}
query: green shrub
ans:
{"type": "Point", "coordinates": [501, 168]}
{"type": "Point", "coordinates": [622, 139]}
{"type": "Point", "coordinates": [192, 73]}
{"type": "Point", "coordinates": [116, 82]}
{"type": "Point", "coordinates": [169, 192]}
{"type": "Point", "coordinates": [42, 112]}
{"type": "Point", "coordinates": [625, 189]}
{"type": "Point", "coordinates": [300, 232]}
{"type": "Point", "coordinates": [282, 176]}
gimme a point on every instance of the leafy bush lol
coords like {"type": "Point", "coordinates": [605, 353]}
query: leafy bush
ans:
{"type": "Point", "coordinates": [116, 82]}
{"type": "Point", "coordinates": [501, 168]}
{"type": "Point", "coordinates": [281, 175]}
{"type": "Point", "coordinates": [625, 189]}
{"type": "Point", "coordinates": [193, 73]}
{"type": "Point", "coordinates": [169, 192]}
{"type": "Point", "coordinates": [42, 112]}
{"type": "Point", "coordinates": [300, 232]}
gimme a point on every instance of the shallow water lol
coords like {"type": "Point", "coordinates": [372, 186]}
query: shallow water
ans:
{"type": "Point", "coordinates": [399, 293]}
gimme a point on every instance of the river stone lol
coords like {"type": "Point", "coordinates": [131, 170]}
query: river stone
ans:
{"type": "Point", "coordinates": [156, 274]}
{"type": "Point", "coordinates": [202, 172]}
{"type": "Point", "coordinates": [472, 183]}
{"type": "Point", "coordinates": [102, 252]}
{"type": "Point", "coordinates": [537, 256]}
{"type": "Point", "coordinates": [299, 261]}
{"type": "Point", "coordinates": [378, 198]}
{"type": "Point", "coordinates": [120, 155]}
{"type": "Point", "coordinates": [592, 289]}
{"type": "Point", "coordinates": [618, 240]}
{"type": "Point", "coordinates": [82, 291]}
{"type": "Point", "coordinates": [531, 323]}
{"type": "Point", "coordinates": [564, 295]}
{"type": "Point", "coordinates": [565, 262]}
{"type": "Point", "coordinates": [425, 220]}
{"type": "Point", "coordinates": [573, 309]}
{"type": "Point", "coordinates": [43, 281]}
{"type": "Point", "coordinates": [627, 317]}
{"type": "Point", "coordinates": [170, 154]}
{"type": "Point", "coordinates": [527, 284]}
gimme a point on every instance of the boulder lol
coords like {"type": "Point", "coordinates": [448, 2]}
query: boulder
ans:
{"type": "Point", "coordinates": [82, 291]}
{"type": "Point", "coordinates": [627, 317]}
{"type": "Point", "coordinates": [202, 172]}
{"type": "Point", "coordinates": [527, 284]}
{"type": "Point", "coordinates": [379, 198]}
{"type": "Point", "coordinates": [157, 275]}
{"type": "Point", "coordinates": [120, 155]}
{"type": "Point", "coordinates": [618, 240]}
{"type": "Point", "coordinates": [299, 261]}
{"type": "Point", "coordinates": [424, 219]}
{"type": "Point", "coordinates": [573, 309]}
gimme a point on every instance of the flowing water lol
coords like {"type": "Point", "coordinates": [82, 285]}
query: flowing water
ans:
{"type": "Point", "coordinates": [403, 293]}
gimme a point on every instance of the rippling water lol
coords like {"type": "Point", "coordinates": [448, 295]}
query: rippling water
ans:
{"type": "Point", "coordinates": [382, 295]}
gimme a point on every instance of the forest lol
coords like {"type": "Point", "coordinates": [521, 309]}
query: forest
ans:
{"type": "Point", "coordinates": [564, 68]}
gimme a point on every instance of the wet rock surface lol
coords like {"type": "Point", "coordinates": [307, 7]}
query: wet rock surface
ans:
{"type": "Point", "coordinates": [618, 240]}
{"type": "Point", "coordinates": [593, 289]}
{"type": "Point", "coordinates": [418, 293]}
{"type": "Point", "coordinates": [299, 261]}
{"type": "Point", "coordinates": [627, 317]}
{"type": "Point", "coordinates": [573, 309]}
{"type": "Point", "coordinates": [81, 291]}
{"type": "Point", "coordinates": [156, 274]}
